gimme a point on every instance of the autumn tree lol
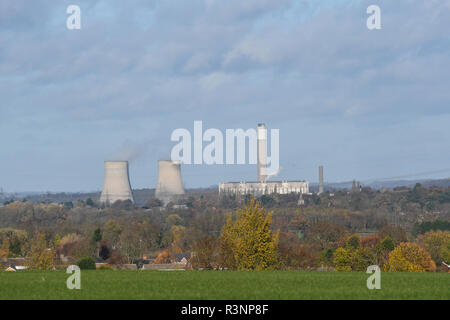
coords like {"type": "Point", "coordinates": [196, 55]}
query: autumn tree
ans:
{"type": "Point", "coordinates": [4, 249]}
{"type": "Point", "coordinates": [423, 227]}
{"type": "Point", "coordinates": [326, 235]}
{"type": "Point", "coordinates": [436, 242]}
{"type": "Point", "coordinates": [397, 234]}
{"type": "Point", "coordinates": [382, 251]}
{"type": "Point", "coordinates": [153, 203]}
{"type": "Point", "coordinates": [370, 241]}
{"type": "Point", "coordinates": [123, 204]}
{"type": "Point", "coordinates": [74, 245]}
{"type": "Point", "coordinates": [352, 242]}
{"type": "Point", "coordinates": [248, 243]}
{"type": "Point", "coordinates": [131, 244]}
{"type": "Point", "coordinates": [16, 238]}
{"type": "Point", "coordinates": [205, 253]}
{"type": "Point", "coordinates": [173, 219]}
{"type": "Point", "coordinates": [299, 223]}
{"type": "Point", "coordinates": [164, 256]}
{"type": "Point", "coordinates": [112, 231]}
{"type": "Point", "coordinates": [178, 234]}
{"type": "Point", "coordinates": [135, 239]}
{"type": "Point", "coordinates": [41, 257]}
{"type": "Point", "coordinates": [116, 258]}
{"type": "Point", "coordinates": [445, 254]}
{"type": "Point", "coordinates": [353, 256]}
{"type": "Point", "coordinates": [410, 257]}
{"type": "Point", "coordinates": [342, 259]}
{"type": "Point", "coordinates": [362, 258]}
{"type": "Point", "coordinates": [293, 254]}
{"type": "Point", "coordinates": [227, 244]}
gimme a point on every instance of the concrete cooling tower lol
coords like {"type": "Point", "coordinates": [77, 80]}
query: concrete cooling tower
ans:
{"type": "Point", "coordinates": [169, 184]}
{"type": "Point", "coordinates": [117, 183]}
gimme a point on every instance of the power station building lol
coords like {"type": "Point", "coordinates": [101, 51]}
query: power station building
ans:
{"type": "Point", "coordinates": [117, 183]}
{"type": "Point", "coordinates": [262, 186]}
{"type": "Point", "coordinates": [169, 186]}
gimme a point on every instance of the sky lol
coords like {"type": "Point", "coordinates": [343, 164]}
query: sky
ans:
{"type": "Point", "coordinates": [365, 104]}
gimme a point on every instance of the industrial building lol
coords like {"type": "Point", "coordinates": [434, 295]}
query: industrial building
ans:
{"type": "Point", "coordinates": [262, 186]}
{"type": "Point", "coordinates": [117, 183]}
{"type": "Point", "coordinates": [169, 186]}
{"type": "Point", "coordinates": [259, 188]}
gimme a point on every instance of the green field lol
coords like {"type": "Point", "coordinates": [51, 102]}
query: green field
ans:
{"type": "Point", "coordinates": [109, 284]}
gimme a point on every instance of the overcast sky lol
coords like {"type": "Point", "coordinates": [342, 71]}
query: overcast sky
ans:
{"type": "Point", "coordinates": [364, 103]}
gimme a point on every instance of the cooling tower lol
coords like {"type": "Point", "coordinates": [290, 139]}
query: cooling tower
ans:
{"type": "Point", "coordinates": [169, 183]}
{"type": "Point", "coordinates": [320, 179]}
{"type": "Point", "coordinates": [117, 183]}
{"type": "Point", "coordinates": [261, 133]}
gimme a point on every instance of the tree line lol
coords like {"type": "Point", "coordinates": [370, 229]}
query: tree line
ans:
{"type": "Point", "coordinates": [343, 230]}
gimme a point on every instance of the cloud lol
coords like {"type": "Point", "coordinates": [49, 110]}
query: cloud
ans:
{"type": "Point", "coordinates": [130, 151]}
{"type": "Point", "coordinates": [230, 63]}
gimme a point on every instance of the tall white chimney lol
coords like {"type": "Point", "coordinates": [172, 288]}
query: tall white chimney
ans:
{"type": "Point", "coordinates": [117, 183]}
{"type": "Point", "coordinates": [320, 179]}
{"type": "Point", "coordinates": [261, 132]}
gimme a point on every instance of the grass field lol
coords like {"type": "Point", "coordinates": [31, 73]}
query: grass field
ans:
{"type": "Point", "coordinates": [286, 285]}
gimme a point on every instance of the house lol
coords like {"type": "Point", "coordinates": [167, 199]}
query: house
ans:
{"type": "Point", "coordinates": [21, 267]}
{"type": "Point", "coordinates": [140, 262]}
{"type": "Point", "coordinates": [16, 262]}
{"type": "Point", "coordinates": [445, 267]}
{"type": "Point", "coordinates": [13, 263]}
{"type": "Point", "coordinates": [67, 259]}
{"type": "Point", "coordinates": [182, 258]}
{"type": "Point", "coordinates": [180, 206]}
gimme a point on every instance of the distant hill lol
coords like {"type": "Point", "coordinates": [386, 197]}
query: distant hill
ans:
{"type": "Point", "coordinates": [142, 195]}
{"type": "Point", "coordinates": [386, 184]}
{"type": "Point", "coordinates": [410, 183]}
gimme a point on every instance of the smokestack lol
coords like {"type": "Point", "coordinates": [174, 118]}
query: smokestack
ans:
{"type": "Point", "coordinates": [169, 183]}
{"type": "Point", "coordinates": [320, 179]}
{"type": "Point", "coordinates": [261, 133]}
{"type": "Point", "coordinates": [117, 183]}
